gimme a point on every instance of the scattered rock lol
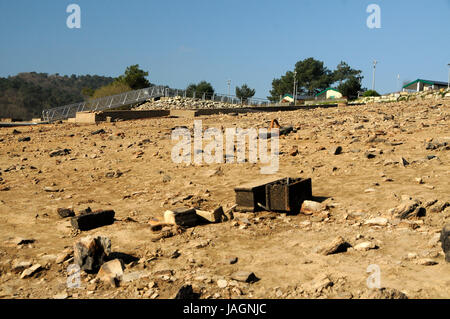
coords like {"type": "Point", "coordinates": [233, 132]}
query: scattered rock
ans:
{"type": "Point", "coordinates": [31, 271]}
{"type": "Point", "coordinates": [20, 266]}
{"type": "Point", "coordinates": [439, 206]}
{"type": "Point", "coordinates": [338, 245]}
{"type": "Point", "coordinates": [208, 216]}
{"type": "Point", "coordinates": [186, 292]}
{"type": "Point", "coordinates": [90, 252]}
{"type": "Point", "coordinates": [310, 207]}
{"type": "Point", "coordinates": [426, 262]}
{"type": "Point", "coordinates": [445, 240]}
{"type": "Point", "coordinates": [222, 283]}
{"type": "Point", "coordinates": [111, 272]}
{"type": "Point", "coordinates": [384, 293]}
{"type": "Point", "coordinates": [93, 220]}
{"type": "Point", "coordinates": [60, 152]}
{"type": "Point", "coordinates": [65, 212]}
{"type": "Point", "coordinates": [65, 255]}
{"type": "Point", "coordinates": [404, 162]}
{"type": "Point", "coordinates": [186, 217]}
{"type": "Point", "coordinates": [337, 150]}
{"type": "Point", "coordinates": [100, 131]}
{"type": "Point", "coordinates": [244, 276]}
{"type": "Point", "coordinates": [24, 139]}
{"type": "Point", "coordinates": [409, 209]}
{"type": "Point", "coordinates": [365, 246]}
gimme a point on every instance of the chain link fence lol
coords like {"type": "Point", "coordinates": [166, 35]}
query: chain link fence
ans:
{"type": "Point", "coordinates": [134, 97]}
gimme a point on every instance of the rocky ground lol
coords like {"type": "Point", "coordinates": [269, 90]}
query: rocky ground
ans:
{"type": "Point", "coordinates": [385, 191]}
{"type": "Point", "coordinates": [185, 103]}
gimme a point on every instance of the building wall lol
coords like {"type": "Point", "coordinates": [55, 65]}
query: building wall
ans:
{"type": "Point", "coordinates": [333, 94]}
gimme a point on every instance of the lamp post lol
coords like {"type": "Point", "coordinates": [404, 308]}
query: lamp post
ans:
{"type": "Point", "coordinates": [374, 69]}
{"type": "Point", "coordinates": [448, 87]}
{"type": "Point", "coordinates": [295, 87]}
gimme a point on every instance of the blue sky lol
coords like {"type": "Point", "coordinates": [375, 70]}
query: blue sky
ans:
{"type": "Point", "coordinates": [247, 41]}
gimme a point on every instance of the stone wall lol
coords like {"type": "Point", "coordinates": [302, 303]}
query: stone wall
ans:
{"type": "Point", "coordinates": [406, 96]}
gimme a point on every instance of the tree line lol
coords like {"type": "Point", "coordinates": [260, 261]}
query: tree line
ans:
{"type": "Point", "coordinates": [312, 77]}
{"type": "Point", "coordinates": [27, 94]}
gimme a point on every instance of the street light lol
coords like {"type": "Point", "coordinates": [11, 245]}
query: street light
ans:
{"type": "Point", "coordinates": [374, 68]}
{"type": "Point", "coordinates": [229, 86]}
{"type": "Point", "coordinates": [448, 87]}
{"type": "Point", "coordinates": [295, 87]}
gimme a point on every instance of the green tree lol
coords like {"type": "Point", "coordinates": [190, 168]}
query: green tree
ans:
{"type": "Point", "coordinates": [282, 86]}
{"type": "Point", "coordinates": [134, 78]}
{"type": "Point", "coordinates": [199, 89]}
{"type": "Point", "coordinates": [371, 93]}
{"type": "Point", "coordinates": [350, 87]}
{"type": "Point", "coordinates": [344, 72]}
{"type": "Point", "coordinates": [311, 75]}
{"type": "Point", "coordinates": [244, 92]}
{"type": "Point", "coordinates": [87, 92]}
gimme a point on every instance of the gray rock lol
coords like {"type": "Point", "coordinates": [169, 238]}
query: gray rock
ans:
{"type": "Point", "coordinates": [445, 241]}
{"type": "Point", "coordinates": [91, 252]}
{"type": "Point", "coordinates": [244, 276]}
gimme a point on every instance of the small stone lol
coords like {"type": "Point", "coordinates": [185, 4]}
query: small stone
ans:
{"type": "Point", "coordinates": [310, 207]}
{"type": "Point", "coordinates": [61, 295]}
{"type": "Point", "coordinates": [338, 245]}
{"type": "Point", "coordinates": [18, 267]}
{"type": "Point", "coordinates": [445, 241]}
{"type": "Point", "coordinates": [426, 262]}
{"type": "Point", "coordinates": [377, 221]}
{"type": "Point", "coordinates": [233, 260]}
{"type": "Point", "coordinates": [409, 209]}
{"type": "Point", "coordinates": [365, 246]}
{"type": "Point", "coordinates": [100, 131]}
{"type": "Point", "coordinates": [404, 162]}
{"type": "Point", "coordinates": [65, 212]}
{"type": "Point", "coordinates": [111, 272]}
{"type": "Point", "coordinates": [221, 283]}
{"type": "Point", "coordinates": [337, 150]}
{"type": "Point", "coordinates": [24, 139]}
{"type": "Point", "coordinates": [185, 292]}
{"type": "Point", "coordinates": [244, 276]}
{"type": "Point", "coordinates": [31, 271]}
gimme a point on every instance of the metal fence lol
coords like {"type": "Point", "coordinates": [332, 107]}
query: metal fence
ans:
{"type": "Point", "coordinates": [133, 97]}
{"type": "Point", "coordinates": [108, 102]}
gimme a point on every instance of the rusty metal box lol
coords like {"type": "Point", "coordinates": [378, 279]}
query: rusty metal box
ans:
{"type": "Point", "coordinates": [288, 194]}
{"type": "Point", "coordinates": [283, 195]}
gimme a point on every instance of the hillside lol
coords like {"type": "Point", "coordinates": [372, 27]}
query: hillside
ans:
{"type": "Point", "coordinates": [25, 95]}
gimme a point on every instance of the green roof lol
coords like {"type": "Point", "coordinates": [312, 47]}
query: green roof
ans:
{"type": "Point", "coordinates": [418, 80]}
{"type": "Point", "coordinates": [426, 82]}
{"type": "Point", "coordinates": [326, 91]}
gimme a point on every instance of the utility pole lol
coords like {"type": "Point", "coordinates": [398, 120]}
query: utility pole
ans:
{"type": "Point", "coordinates": [398, 82]}
{"type": "Point", "coordinates": [295, 87]}
{"type": "Point", "coordinates": [448, 87]}
{"type": "Point", "coordinates": [374, 69]}
{"type": "Point", "coordinates": [229, 87]}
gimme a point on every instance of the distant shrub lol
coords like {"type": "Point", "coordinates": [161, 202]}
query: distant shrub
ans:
{"type": "Point", "coordinates": [111, 89]}
{"type": "Point", "coordinates": [371, 93]}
